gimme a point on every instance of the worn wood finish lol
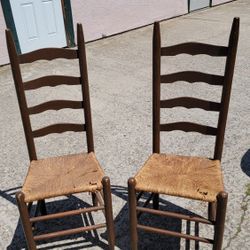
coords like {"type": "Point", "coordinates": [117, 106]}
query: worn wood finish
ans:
{"type": "Point", "coordinates": [188, 127]}
{"type": "Point", "coordinates": [226, 92]}
{"type": "Point", "coordinates": [48, 54]}
{"type": "Point", "coordinates": [68, 232]}
{"type": "Point", "coordinates": [156, 96]}
{"type": "Point", "coordinates": [184, 176]}
{"type": "Point", "coordinates": [64, 214]}
{"type": "Point", "coordinates": [212, 210]}
{"type": "Point", "coordinates": [174, 215]}
{"type": "Point", "coordinates": [24, 215]}
{"type": "Point", "coordinates": [62, 175]}
{"type": "Point", "coordinates": [59, 128]}
{"type": "Point", "coordinates": [193, 76]}
{"type": "Point", "coordinates": [220, 220]}
{"type": "Point", "coordinates": [193, 48]}
{"type": "Point", "coordinates": [132, 202]}
{"type": "Point", "coordinates": [189, 102]}
{"type": "Point", "coordinates": [174, 234]}
{"type": "Point", "coordinates": [156, 87]}
{"type": "Point", "coordinates": [51, 81]}
{"type": "Point", "coordinates": [108, 212]}
{"type": "Point", "coordinates": [85, 88]}
{"type": "Point", "coordinates": [16, 73]}
{"type": "Point", "coordinates": [55, 105]}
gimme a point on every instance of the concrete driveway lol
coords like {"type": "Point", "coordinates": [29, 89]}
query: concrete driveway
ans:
{"type": "Point", "coordinates": [120, 88]}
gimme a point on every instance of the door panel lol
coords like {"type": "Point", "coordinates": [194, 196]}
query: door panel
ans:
{"type": "Point", "coordinates": [198, 4]}
{"type": "Point", "coordinates": [29, 20]}
{"type": "Point", "coordinates": [39, 23]}
{"type": "Point", "coordinates": [49, 16]}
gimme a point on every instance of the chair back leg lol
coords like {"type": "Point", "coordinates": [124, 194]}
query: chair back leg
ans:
{"type": "Point", "coordinates": [43, 208]}
{"type": "Point", "coordinates": [94, 199]}
{"type": "Point", "coordinates": [156, 201]}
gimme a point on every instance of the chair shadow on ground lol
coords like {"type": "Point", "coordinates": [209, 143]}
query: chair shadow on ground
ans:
{"type": "Point", "coordinates": [89, 239]}
{"type": "Point", "coordinates": [245, 163]}
{"type": "Point", "coordinates": [84, 240]}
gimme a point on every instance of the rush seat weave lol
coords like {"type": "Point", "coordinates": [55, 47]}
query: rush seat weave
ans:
{"type": "Point", "coordinates": [62, 175]}
{"type": "Point", "coordinates": [184, 176]}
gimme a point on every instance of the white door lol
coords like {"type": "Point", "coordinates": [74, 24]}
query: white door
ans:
{"type": "Point", "coordinates": [39, 23]}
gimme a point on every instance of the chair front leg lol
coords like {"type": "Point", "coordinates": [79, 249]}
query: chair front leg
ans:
{"type": "Point", "coordinates": [24, 215]}
{"type": "Point", "coordinates": [220, 220]}
{"type": "Point", "coordinates": [132, 213]}
{"type": "Point", "coordinates": [108, 211]}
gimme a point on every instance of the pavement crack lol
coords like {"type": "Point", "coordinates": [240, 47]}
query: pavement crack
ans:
{"type": "Point", "coordinates": [244, 208]}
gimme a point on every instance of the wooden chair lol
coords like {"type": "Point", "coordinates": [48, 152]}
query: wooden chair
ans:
{"type": "Point", "coordinates": [194, 178]}
{"type": "Point", "coordinates": [64, 175]}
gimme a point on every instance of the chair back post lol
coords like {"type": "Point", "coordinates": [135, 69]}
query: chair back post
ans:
{"type": "Point", "coordinates": [85, 87]}
{"type": "Point", "coordinates": [16, 72]}
{"type": "Point", "coordinates": [156, 87]}
{"type": "Point", "coordinates": [227, 84]}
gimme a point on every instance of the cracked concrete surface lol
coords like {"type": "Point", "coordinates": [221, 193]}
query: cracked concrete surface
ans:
{"type": "Point", "coordinates": [120, 89]}
{"type": "Point", "coordinates": [243, 219]}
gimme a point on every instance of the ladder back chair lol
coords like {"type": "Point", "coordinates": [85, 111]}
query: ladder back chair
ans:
{"type": "Point", "coordinates": [63, 175]}
{"type": "Point", "coordinates": [189, 177]}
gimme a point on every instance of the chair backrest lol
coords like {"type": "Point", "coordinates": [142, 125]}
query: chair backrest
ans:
{"type": "Point", "coordinates": [52, 81]}
{"type": "Point", "coordinates": [225, 81]}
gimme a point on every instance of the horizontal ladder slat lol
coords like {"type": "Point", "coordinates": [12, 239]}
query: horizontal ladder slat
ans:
{"type": "Point", "coordinates": [55, 105]}
{"type": "Point", "coordinates": [68, 232]}
{"type": "Point", "coordinates": [59, 128]}
{"type": "Point", "coordinates": [175, 234]}
{"type": "Point", "coordinates": [51, 81]}
{"type": "Point", "coordinates": [174, 215]}
{"type": "Point", "coordinates": [189, 127]}
{"type": "Point", "coordinates": [193, 76]}
{"type": "Point", "coordinates": [193, 48]}
{"type": "Point", "coordinates": [189, 102]}
{"type": "Point", "coordinates": [64, 214]}
{"type": "Point", "coordinates": [48, 54]}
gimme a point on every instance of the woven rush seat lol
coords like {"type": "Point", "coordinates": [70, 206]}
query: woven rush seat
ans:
{"type": "Point", "coordinates": [185, 176]}
{"type": "Point", "coordinates": [62, 175]}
